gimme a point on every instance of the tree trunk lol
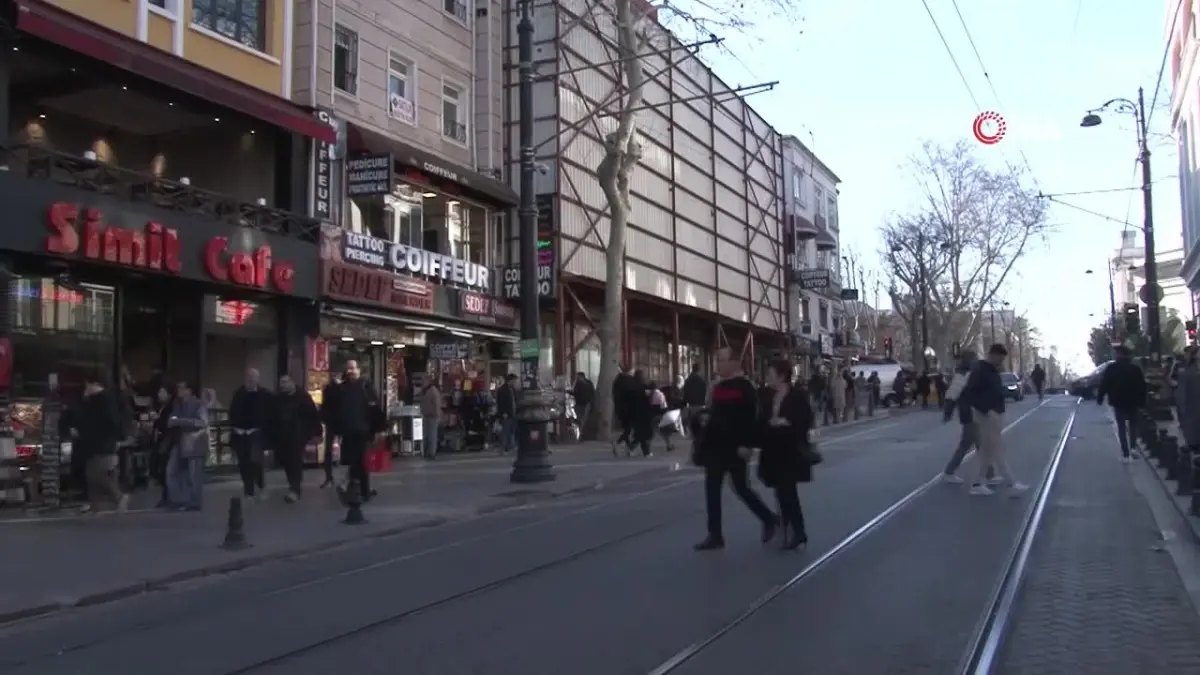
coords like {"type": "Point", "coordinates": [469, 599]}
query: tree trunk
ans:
{"type": "Point", "coordinates": [622, 153]}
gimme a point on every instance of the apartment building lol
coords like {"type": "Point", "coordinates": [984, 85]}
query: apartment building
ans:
{"type": "Point", "coordinates": [703, 249]}
{"type": "Point", "coordinates": [1184, 50]}
{"type": "Point", "coordinates": [811, 237]}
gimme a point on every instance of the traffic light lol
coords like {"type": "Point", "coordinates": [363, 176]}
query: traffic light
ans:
{"type": "Point", "coordinates": [1190, 326]}
{"type": "Point", "coordinates": [1133, 322]}
{"type": "Point", "coordinates": [887, 347]}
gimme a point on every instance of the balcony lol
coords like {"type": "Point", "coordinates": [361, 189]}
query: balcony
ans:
{"type": "Point", "coordinates": [804, 228]}
{"type": "Point", "coordinates": [87, 173]}
{"type": "Point", "coordinates": [454, 131]}
{"type": "Point", "coordinates": [825, 241]}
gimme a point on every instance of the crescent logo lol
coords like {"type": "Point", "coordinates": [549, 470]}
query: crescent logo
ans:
{"type": "Point", "coordinates": [989, 127]}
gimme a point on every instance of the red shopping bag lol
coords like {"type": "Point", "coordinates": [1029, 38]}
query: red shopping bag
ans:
{"type": "Point", "coordinates": [379, 458]}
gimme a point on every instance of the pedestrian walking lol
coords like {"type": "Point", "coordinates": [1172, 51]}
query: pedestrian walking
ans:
{"type": "Point", "coordinates": [359, 420]}
{"type": "Point", "coordinates": [431, 406]}
{"type": "Point", "coordinates": [1038, 377]}
{"type": "Point", "coordinates": [188, 428]}
{"type": "Point", "coordinates": [96, 429]}
{"type": "Point", "coordinates": [785, 459]}
{"type": "Point", "coordinates": [923, 387]}
{"type": "Point", "coordinates": [641, 415]}
{"type": "Point", "coordinates": [875, 396]}
{"type": "Point", "coordinates": [248, 412]}
{"type": "Point", "coordinates": [985, 394]}
{"type": "Point", "coordinates": [329, 413]}
{"type": "Point", "coordinates": [695, 395]}
{"type": "Point", "coordinates": [1124, 385]}
{"type": "Point", "coordinates": [817, 391]}
{"type": "Point", "coordinates": [837, 396]}
{"type": "Point", "coordinates": [953, 404]}
{"type": "Point", "coordinates": [161, 452]}
{"type": "Point", "coordinates": [724, 449]}
{"type": "Point", "coordinates": [584, 393]}
{"type": "Point", "coordinates": [293, 421]}
{"type": "Point", "coordinates": [506, 413]}
{"type": "Point", "coordinates": [625, 398]}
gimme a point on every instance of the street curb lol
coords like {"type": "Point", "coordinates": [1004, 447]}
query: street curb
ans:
{"type": "Point", "coordinates": [165, 582]}
{"type": "Point", "coordinates": [1169, 490]}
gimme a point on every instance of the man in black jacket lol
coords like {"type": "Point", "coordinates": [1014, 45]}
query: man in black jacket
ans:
{"type": "Point", "coordinates": [329, 412]}
{"type": "Point", "coordinates": [292, 423]}
{"type": "Point", "coordinates": [248, 414]}
{"type": "Point", "coordinates": [725, 448]}
{"type": "Point", "coordinates": [584, 393]}
{"type": "Point", "coordinates": [1038, 377]}
{"type": "Point", "coordinates": [985, 394]}
{"type": "Point", "coordinates": [358, 418]}
{"type": "Point", "coordinates": [1124, 383]}
{"type": "Point", "coordinates": [623, 389]}
{"type": "Point", "coordinates": [695, 395]}
{"type": "Point", "coordinates": [506, 412]}
{"type": "Point", "coordinates": [96, 430]}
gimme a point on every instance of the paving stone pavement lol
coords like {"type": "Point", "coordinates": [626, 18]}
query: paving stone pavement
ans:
{"type": "Point", "coordinates": [1100, 597]}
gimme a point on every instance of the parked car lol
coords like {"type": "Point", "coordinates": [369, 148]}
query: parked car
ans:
{"type": "Point", "coordinates": [1012, 386]}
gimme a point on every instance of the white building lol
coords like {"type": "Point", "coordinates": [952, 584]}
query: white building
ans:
{"type": "Point", "coordinates": [1184, 50]}
{"type": "Point", "coordinates": [811, 236]}
{"type": "Point", "coordinates": [1129, 275]}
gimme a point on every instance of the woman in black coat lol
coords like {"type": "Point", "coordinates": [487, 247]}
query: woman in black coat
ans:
{"type": "Point", "coordinates": [785, 418]}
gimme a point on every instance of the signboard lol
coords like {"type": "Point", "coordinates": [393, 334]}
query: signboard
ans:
{"type": "Point", "coordinates": [382, 254]}
{"type": "Point", "coordinates": [370, 175]}
{"type": "Point", "coordinates": [547, 258]}
{"type": "Point", "coordinates": [813, 280]}
{"type": "Point", "coordinates": [381, 289]}
{"type": "Point", "coordinates": [850, 294]}
{"type": "Point", "coordinates": [448, 350]}
{"type": "Point", "coordinates": [322, 172]}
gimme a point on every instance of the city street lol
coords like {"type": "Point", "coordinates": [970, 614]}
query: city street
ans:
{"type": "Point", "coordinates": [900, 576]}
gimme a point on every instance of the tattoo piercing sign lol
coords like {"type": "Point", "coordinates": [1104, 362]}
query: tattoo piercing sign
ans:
{"type": "Point", "coordinates": [989, 127]}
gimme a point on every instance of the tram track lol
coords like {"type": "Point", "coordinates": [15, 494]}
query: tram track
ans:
{"type": "Point", "coordinates": [982, 651]}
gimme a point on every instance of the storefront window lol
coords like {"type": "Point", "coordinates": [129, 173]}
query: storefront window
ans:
{"type": "Point", "coordinates": [420, 217]}
{"type": "Point", "coordinates": [650, 355]}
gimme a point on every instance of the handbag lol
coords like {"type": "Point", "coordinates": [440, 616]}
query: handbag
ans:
{"type": "Point", "coordinates": [809, 453]}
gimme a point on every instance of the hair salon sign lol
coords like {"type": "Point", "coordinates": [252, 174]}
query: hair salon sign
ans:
{"type": "Point", "coordinates": [368, 251]}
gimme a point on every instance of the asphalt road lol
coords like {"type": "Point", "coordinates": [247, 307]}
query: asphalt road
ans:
{"type": "Point", "coordinates": [605, 584]}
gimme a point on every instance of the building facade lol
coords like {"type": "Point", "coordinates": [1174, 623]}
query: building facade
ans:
{"type": "Point", "coordinates": [417, 233]}
{"type": "Point", "coordinates": [703, 249]}
{"type": "Point", "coordinates": [1184, 51]}
{"type": "Point", "coordinates": [812, 240]}
{"type": "Point", "coordinates": [154, 182]}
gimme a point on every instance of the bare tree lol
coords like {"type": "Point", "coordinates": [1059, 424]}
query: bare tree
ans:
{"type": "Point", "coordinates": [649, 38]}
{"type": "Point", "coordinates": [861, 316]}
{"type": "Point", "coordinates": [960, 245]}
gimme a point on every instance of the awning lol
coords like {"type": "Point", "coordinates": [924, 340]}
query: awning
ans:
{"type": "Point", "coordinates": [43, 20]}
{"type": "Point", "coordinates": [436, 168]}
{"type": "Point", "coordinates": [422, 323]}
{"type": "Point", "coordinates": [825, 241]}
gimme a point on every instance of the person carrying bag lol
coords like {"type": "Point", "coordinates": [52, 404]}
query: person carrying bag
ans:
{"type": "Point", "coordinates": [787, 453]}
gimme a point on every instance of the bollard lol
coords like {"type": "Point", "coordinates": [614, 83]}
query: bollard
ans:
{"type": "Point", "coordinates": [354, 497]}
{"type": "Point", "coordinates": [1170, 457]}
{"type": "Point", "coordinates": [1185, 486]}
{"type": "Point", "coordinates": [235, 532]}
{"type": "Point", "coordinates": [1160, 445]}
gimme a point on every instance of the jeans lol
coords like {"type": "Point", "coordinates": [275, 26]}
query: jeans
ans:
{"type": "Point", "coordinates": [185, 480]}
{"type": "Point", "coordinates": [249, 459]}
{"type": "Point", "coordinates": [714, 477]}
{"type": "Point", "coordinates": [431, 439]}
{"type": "Point", "coordinates": [508, 434]}
{"type": "Point", "coordinates": [1126, 428]}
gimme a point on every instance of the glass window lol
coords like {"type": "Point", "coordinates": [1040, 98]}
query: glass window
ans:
{"type": "Point", "coordinates": [831, 200]}
{"type": "Point", "coordinates": [402, 89]}
{"type": "Point", "coordinates": [345, 59]}
{"type": "Point", "coordinates": [243, 21]}
{"type": "Point", "coordinates": [805, 310]}
{"type": "Point", "coordinates": [456, 9]}
{"type": "Point", "coordinates": [824, 314]}
{"type": "Point", "coordinates": [454, 113]}
{"type": "Point", "coordinates": [801, 186]}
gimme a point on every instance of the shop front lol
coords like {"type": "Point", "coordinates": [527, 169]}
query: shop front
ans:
{"type": "Point", "coordinates": [408, 315]}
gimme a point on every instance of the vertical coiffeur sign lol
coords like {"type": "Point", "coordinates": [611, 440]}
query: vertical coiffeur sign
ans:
{"type": "Point", "coordinates": [324, 156]}
{"type": "Point", "coordinates": [547, 256]}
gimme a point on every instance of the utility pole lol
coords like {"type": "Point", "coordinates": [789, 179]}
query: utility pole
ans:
{"type": "Point", "coordinates": [533, 411]}
{"type": "Point", "coordinates": [1151, 298]}
{"type": "Point", "coordinates": [923, 273]}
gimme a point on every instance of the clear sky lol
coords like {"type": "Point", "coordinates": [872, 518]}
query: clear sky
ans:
{"type": "Point", "coordinates": [866, 82]}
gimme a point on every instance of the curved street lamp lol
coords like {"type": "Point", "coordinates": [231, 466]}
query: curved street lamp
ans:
{"type": "Point", "coordinates": [1138, 110]}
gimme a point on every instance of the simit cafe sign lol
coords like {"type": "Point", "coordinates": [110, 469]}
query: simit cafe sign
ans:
{"type": "Point", "coordinates": [382, 254]}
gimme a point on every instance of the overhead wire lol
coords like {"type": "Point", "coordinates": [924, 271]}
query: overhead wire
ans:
{"type": "Point", "coordinates": [953, 59]}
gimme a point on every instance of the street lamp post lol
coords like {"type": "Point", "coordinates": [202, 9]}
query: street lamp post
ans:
{"type": "Point", "coordinates": [1138, 110]}
{"type": "Point", "coordinates": [533, 412]}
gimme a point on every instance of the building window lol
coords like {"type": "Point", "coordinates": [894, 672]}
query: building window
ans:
{"type": "Point", "coordinates": [159, 3]}
{"type": "Point", "coordinates": [243, 21]}
{"type": "Point", "coordinates": [454, 113]}
{"type": "Point", "coordinates": [402, 89]}
{"type": "Point", "coordinates": [345, 60]}
{"type": "Point", "coordinates": [417, 216]}
{"type": "Point", "coordinates": [831, 201]}
{"type": "Point", "coordinates": [819, 197]}
{"type": "Point", "coordinates": [801, 197]}
{"type": "Point", "coordinates": [805, 311]}
{"type": "Point", "coordinates": [824, 314]}
{"type": "Point", "coordinates": [456, 9]}
{"type": "Point", "coordinates": [796, 184]}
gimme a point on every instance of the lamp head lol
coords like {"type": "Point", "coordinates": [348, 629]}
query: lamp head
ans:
{"type": "Point", "coordinates": [1091, 120]}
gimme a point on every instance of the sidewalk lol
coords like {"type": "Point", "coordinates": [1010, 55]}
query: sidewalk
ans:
{"type": "Point", "coordinates": [55, 562]}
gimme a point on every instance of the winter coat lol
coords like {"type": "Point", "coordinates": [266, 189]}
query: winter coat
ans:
{"type": "Point", "coordinates": [781, 459]}
{"type": "Point", "coordinates": [1124, 385]}
{"type": "Point", "coordinates": [188, 426]}
{"type": "Point", "coordinates": [97, 419]}
{"type": "Point", "coordinates": [293, 421]}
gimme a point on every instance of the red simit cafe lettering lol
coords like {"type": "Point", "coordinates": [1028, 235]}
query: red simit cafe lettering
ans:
{"type": "Point", "coordinates": [81, 232]}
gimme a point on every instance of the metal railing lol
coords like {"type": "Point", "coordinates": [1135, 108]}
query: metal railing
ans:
{"type": "Point", "coordinates": [452, 129]}
{"type": "Point", "coordinates": [84, 173]}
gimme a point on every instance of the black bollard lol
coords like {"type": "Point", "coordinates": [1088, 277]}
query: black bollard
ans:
{"type": "Point", "coordinates": [1186, 482]}
{"type": "Point", "coordinates": [1170, 457]}
{"type": "Point", "coordinates": [235, 531]}
{"type": "Point", "coordinates": [1160, 445]}
{"type": "Point", "coordinates": [354, 498]}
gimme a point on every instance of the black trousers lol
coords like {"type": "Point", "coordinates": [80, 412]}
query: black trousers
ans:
{"type": "Point", "coordinates": [714, 477]}
{"type": "Point", "coordinates": [1126, 428]}
{"type": "Point", "coordinates": [250, 462]}
{"type": "Point", "coordinates": [292, 460]}
{"type": "Point", "coordinates": [626, 437]}
{"type": "Point", "coordinates": [327, 460]}
{"type": "Point", "coordinates": [789, 508]}
{"type": "Point", "coordinates": [354, 455]}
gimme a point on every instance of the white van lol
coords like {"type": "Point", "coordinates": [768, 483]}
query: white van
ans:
{"type": "Point", "coordinates": [887, 378]}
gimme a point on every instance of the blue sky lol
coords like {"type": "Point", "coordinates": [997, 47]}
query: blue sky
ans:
{"type": "Point", "coordinates": [871, 80]}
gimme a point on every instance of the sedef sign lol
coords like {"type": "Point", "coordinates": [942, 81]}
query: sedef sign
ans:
{"type": "Point", "coordinates": [74, 231]}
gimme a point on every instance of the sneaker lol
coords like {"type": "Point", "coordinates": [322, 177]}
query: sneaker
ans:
{"type": "Point", "coordinates": [1017, 489]}
{"type": "Point", "coordinates": [123, 504]}
{"type": "Point", "coordinates": [952, 478]}
{"type": "Point", "coordinates": [1127, 459]}
{"type": "Point", "coordinates": [291, 498]}
{"type": "Point", "coordinates": [980, 490]}
{"type": "Point", "coordinates": [710, 543]}
{"type": "Point", "coordinates": [86, 509]}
